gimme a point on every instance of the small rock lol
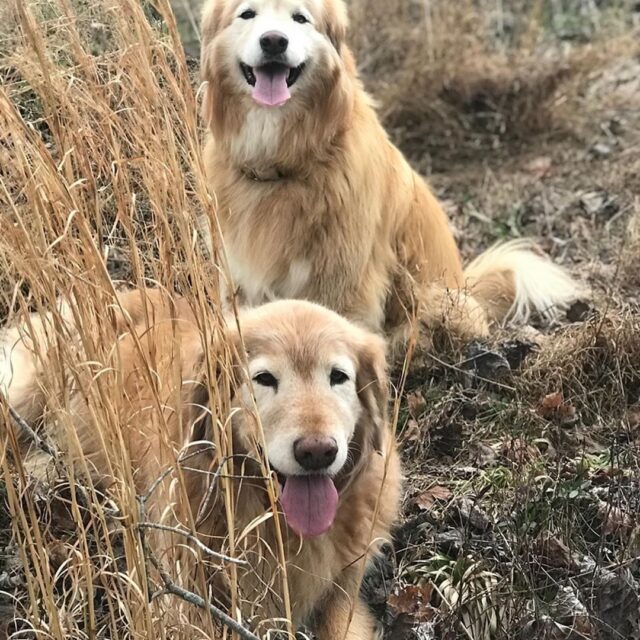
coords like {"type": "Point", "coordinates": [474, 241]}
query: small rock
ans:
{"type": "Point", "coordinates": [472, 515]}
{"type": "Point", "coordinates": [579, 311]}
{"type": "Point", "coordinates": [539, 167]}
{"type": "Point", "coordinates": [617, 126]}
{"type": "Point", "coordinates": [482, 454]}
{"type": "Point", "coordinates": [600, 150]}
{"type": "Point", "coordinates": [485, 363]}
{"type": "Point", "coordinates": [515, 351]}
{"type": "Point", "coordinates": [450, 542]}
{"type": "Point", "coordinates": [599, 203]}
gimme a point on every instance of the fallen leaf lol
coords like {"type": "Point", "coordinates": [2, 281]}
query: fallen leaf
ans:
{"type": "Point", "coordinates": [614, 600]}
{"type": "Point", "coordinates": [568, 610]}
{"type": "Point", "coordinates": [553, 552]}
{"type": "Point", "coordinates": [413, 601]}
{"type": "Point", "coordinates": [412, 432]}
{"type": "Point", "coordinates": [427, 498]}
{"type": "Point", "coordinates": [553, 407]}
{"type": "Point", "coordinates": [416, 404]}
{"type": "Point", "coordinates": [614, 519]}
{"type": "Point", "coordinates": [551, 402]}
{"type": "Point", "coordinates": [519, 450]}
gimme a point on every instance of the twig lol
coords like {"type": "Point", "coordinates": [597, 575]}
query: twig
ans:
{"type": "Point", "coordinates": [26, 430]}
{"type": "Point", "coordinates": [193, 598]}
{"type": "Point", "coordinates": [156, 483]}
{"type": "Point", "coordinates": [457, 369]}
{"type": "Point", "coordinates": [189, 536]}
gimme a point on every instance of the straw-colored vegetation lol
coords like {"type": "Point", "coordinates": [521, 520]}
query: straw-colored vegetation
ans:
{"type": "Point", "coordinates": [523, 489]}
{"type": "Point", "coordinates": [101, 169]}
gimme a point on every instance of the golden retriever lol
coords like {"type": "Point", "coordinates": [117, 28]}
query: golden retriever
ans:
{"type": "Point", "coordinates": [319, 388]}
{"type": "Point", "coordinates": [313, 199]}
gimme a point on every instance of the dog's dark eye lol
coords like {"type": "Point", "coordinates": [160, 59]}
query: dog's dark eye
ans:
{"type": "Point", "coordinates": [248, 14]}
{"type": "Point", "coordinates": [338, 377]}
{"type": "Point", "coordinates": [299, 18]}
{"type": "Point", "coordinates": [266, 379]}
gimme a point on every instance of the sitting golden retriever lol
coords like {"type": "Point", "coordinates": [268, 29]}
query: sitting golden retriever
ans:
{"type": "Point", "coordinates": [319, 388]}
{"type": "Point", "coordinates": [313, 199]}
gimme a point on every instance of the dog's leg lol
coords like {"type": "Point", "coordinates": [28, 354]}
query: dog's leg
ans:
{"type": "Point", "coordinates": [455, 310]}
{"type": "Point", "coordinates": [344, 618]}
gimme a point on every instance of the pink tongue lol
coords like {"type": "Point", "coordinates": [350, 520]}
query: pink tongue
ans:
{"type": "Point", "coordinates": [271, 89]}
{"type": "Point", "coordinates": [309, 504]}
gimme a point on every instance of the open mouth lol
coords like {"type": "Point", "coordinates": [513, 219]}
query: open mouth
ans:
{"type": "Point", "coordinates": [309, 503]}
{"type": "Point", "coordinates": [271, 82]}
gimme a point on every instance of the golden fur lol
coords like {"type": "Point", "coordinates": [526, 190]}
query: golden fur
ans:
{"type": "Point", "coordinates": [315, 202]}
{"type": "Point", "coordinates": [159, 394]}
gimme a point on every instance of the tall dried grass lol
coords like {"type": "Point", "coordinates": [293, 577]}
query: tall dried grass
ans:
{"type": "Point", "coordinates": [100, 159]}
{"type": "Point", "coordinates": [455, 79]}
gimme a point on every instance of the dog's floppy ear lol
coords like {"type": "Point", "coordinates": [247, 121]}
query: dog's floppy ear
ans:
{"type": "Point", "coordinates": [216, 380]}
{"type": "Point", "coordinates": [372, 388]}
{"type": "Point", "coordinates": [211, 22]}
{"type": "Point", "coordinates": [336, 23]}
{"type": "Point", "coordinates": [214, 19]}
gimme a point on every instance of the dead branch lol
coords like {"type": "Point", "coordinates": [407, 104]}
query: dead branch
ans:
{"type": "Point", "coordinates": [189, 536]}
{"type": "Point", "coordinates": [193, 598]}
{"type": "Point", "coordinates": [27, 431]}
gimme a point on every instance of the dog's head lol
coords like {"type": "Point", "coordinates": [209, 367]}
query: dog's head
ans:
{"type": "Point", "coordinates": [262, 54]}
{"type": "Point", "coordinates": [320, 390]}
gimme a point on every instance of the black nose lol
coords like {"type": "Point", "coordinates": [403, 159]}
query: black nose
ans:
{"type": "Point", "coordinates": [274, 43]}
{"type": "Point", "coordinates": [315, 453]}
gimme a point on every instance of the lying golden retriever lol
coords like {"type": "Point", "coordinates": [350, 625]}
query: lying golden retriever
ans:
{"type": "Point", "coordinates": [315, 202]}
{"type": "Point", "coordinates": [320, 391]}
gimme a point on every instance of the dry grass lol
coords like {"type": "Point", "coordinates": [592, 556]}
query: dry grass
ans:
{"type": "Point", "coordinates": [100, 158]}
{"type": "Point", "coordinates": [465, 78]}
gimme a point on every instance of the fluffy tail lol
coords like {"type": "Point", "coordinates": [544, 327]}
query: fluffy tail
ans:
{"type": "Point", "coordinates": [511, 281]}
{"type": "Point", "coordinates": [21, 350]}
{"type": "Point", "coordinates": [24, 356]}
